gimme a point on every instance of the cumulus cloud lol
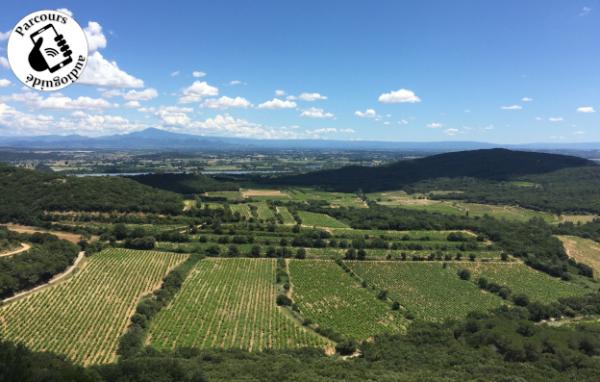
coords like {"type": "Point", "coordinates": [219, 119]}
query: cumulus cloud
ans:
{"type": "Point", "coordinates": [4, 62]}
{"type": "Point", "coordinates": [310, 97]}
{"type": "Point", "coordinates": [511, 107]}
{"type": "Point", "coordinates": [133, 104]}
{"type": "Point", "coordinates": [451, 132]}
{"type": "Point", "coordinates": [101, 72]}
{"type": "Point", "coordinates": [95, 38]}
{"type": "Point", "coordinates": [198, 74]}
{"type": "Point", "coordinates": [369, 113]}
{"type": "Point", "coordinates": [399, 96]}
{"type": "Point", "coordinates": [95, 124]}
{"type": "Point", "coordinates": [315, 112]}
{"type": "Point", "coordinates": [585, 11]}
{"type": "Point", "coordinates": [57, 101]}
{"type": "Point", "coordinates": [586, 109]}
{"type": "Point", "coordinates": [65, 11]}
{"type": "Point", "coordinates": [526, 99]}
{"type": "Point", "coordinates": [279, 93]}
{"type": "Point", "coordinates": [4, 83]}
{"type": "Point", "coordinates": [235, 82]}
{"type": "Point", "coordinates": [277, 103]}
{"type": "Point", "coordinates": [198, 90]}
{"type": "Point", "coordinates": [4, 35]}
{"type": "Point", "coordinates": [226, 102]}
{"type": "Point", "coordinates": [555, 119]}
{"type": "Point", "coordinates": [15, 122]}
{"type": "Point", "coordinates": [142, 95]}
{"type": "Point", "coordinates": [435, 125]}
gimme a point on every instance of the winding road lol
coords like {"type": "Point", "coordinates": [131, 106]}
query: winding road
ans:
{"type": "Point", "coordinates": [24, 247]}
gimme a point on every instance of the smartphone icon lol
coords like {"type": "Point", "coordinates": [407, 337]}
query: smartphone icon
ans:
{"type": "Point", "coordinates": [50, 49]}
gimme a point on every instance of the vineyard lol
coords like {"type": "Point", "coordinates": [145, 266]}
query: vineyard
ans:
{"type": "Point", "coordinates": [521, 279]}
{"type": "Point", "coordinates": [320, 220]}
{"type": "Point", "coordinates": [331, 299]}
{"type": "Point", "coordinates": [230, 304]}
{"type": "Point", "coordinates": [427, 290]}
{"type": "Point", "coordinates": [83, 318]}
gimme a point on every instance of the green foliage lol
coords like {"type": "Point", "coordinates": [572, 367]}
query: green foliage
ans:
{"type": "Point", "coordinates": [185, 183]}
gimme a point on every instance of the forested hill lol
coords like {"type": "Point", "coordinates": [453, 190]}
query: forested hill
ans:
{"type": "Point", "coordinates": [492, 164]}
{"type": "Point", "coordinates": [24, 194]}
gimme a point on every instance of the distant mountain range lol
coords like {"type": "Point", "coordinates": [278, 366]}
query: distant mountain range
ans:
{"type": "Point", "coordinates": [157, 139]}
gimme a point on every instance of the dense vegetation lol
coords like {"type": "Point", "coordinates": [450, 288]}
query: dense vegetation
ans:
{"type": "Point", "coordinates": [494, 164]}
{"type": "Point", "coordinates": [187, 184]}
{"type": "Point", "coordinates": [26, 194]}
{"type": "Point", "coordinates": [47, 257]}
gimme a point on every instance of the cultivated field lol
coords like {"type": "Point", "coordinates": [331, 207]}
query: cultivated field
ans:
{"type": "Point", "coordinates": [320, 220]}
{"type": "Point", "coordinates": [521, 279]}
{"type": "Point", "coordinates": [583, 250]}
{"type": "Point", "coordinates": [427, 290]}
{"type": "Point", "coordinates": [230, 304]}
{"type": "Point", "coordinates": [83, 317]}
{"type": "Point", "coordinates": [333, 300]}
{"type": "Point", "coordinates": [286, 215]}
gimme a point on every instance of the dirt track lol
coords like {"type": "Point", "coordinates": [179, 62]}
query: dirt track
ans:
{"type": "Point", "coordinates": [24, 247]}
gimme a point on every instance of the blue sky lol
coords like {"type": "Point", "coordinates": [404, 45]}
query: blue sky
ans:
{"type": "Point", "coordinates": [501, 71]}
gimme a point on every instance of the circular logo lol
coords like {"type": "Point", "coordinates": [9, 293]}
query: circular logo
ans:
{"type": "Point", "coordinates": [47, 50]}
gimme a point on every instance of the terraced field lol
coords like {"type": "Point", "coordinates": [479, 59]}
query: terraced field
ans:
{"type": "Point", "coordinates": [336, 199]}
{"type": "Point", "coordinates": [286, 215]}
{"type": "Point", "coordinates": [230, 304]}
{"type": "Point", "coordinates": [330, 298]}
{"type": "Point", "coordinates": [83, 317]}
{"type": "Point", "coordinates": [242, 209]}
{"type": "Point", "coordinates": [427, 290]}
{"type": "Point", "coordinates": [522, 279]}
{"type": "Point", "coordinates": [320, 220]}
{"type": "Point", "coordinates": [263, 211]}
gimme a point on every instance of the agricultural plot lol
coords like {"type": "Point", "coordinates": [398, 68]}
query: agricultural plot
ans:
{"type": "Point", "coordinates": [335, 199]}
{"type": "Point", "coordinates": [83, 317]}
{"type": "Point", "coordinates": [330, 298]}
{"type": "Point", "coordinates": [264, 194]}
{"type": "Point", "coordinates": [263, 211]}
{"type": "Point", "coordinates": [583, 251]}
{"type": "Point", "coordinates": [427, 290]}
{"type": "Point", "coordinates": [230, 304]}
{"type": "Point", "coordinates": [229, 195]}
{"type": "Point", "coordinates": [242, 209]}
{"type": "Point", "coordinates": [320, 220]}
{"type": "Point", "coordinates": [521, 279]}
{"type": "Point", "coordinates": [286, 215]}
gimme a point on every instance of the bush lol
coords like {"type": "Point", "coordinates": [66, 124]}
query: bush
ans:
{"type": "Point", "coordinates": [464, 274]}
{"type": "Point", "coordinates": [346, 347]}
{"type": "Point", "coordinates": [283, 300]}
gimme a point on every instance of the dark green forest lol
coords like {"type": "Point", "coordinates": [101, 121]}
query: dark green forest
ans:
{"type": "Point", "coordinates": [187, 184]}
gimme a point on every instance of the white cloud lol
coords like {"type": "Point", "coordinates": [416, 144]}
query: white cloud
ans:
{"type": "Point", "coordinates": [94, 124]}
{"type": "Point", "coordinates": [4, 35]}
{"type": "Point", "coordinates": [198, 90]}
{"type": "Point", "coordinates": [579, 132]}
{"type": "Point", "coordinates": [226, 102]}
{"type": "Point", "coordinates": [585, 11]}
{"type": "Point", "coordinates": [369, 113]}
{"type": "Point", "coordinates": [14, 122]}
{"type": "Point", "coordinates": [315, 112]}
{"type": "Point", "coordinates": [57, 101]}
{"type": "Point", "coordinates": [435, 125]}
{"type": "Point", "coordinates": [142, 95]}
{"type": "Point", "coordinates": [4, 62]}
{"type": "Point", "coordinates": [277, 103]}
{"type": "Point", "coordinates": [198, 74]}
{"type": "Point", "coordinates": [101, 72]}
{"type": "Point", "coordinates": [586, 109]}
{"type": "Point", "coordinates": [133, 104]}
{"type": "Point", "coordinates": [311, 97]}
{"type": "Point", "coordinates": [451, 132]}
{"type": "Point", "coordinates": [95, 38]}
{"type": "Point", "coordinates": [399, 96]}
{"type": "Point", "coordinates": [65, 11]}
{"type": "Point", "coordinates": [235, 82]}
{"type": "Point", "coordinates": [175, 73]}
{"type": "Point", "coordinates": [4, 83]}
{"type": "Point", "coordinates": [511, 107]}
{"type": "Point", "coordinates": [174, 116]}
{"type": "Point", "coordinates": [555, 119]}
{"type": "Point", "coordinates": [526, 99]}
{"type": "Point", "coordinates": [403, 122]}
{"type": "Point", "coordinates": [279, 93]}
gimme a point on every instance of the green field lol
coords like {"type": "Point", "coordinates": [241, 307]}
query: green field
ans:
{"type": "Point", "coordinates": [83, 317]}
{"type": "Point", "coordinates": [333, 300]}
{"type": "Point", "coordinates": [230, 304]}
{"type": "Point", "coordinates": [263, 211]}
{"type": "Point", "coordinates": [286, 215]}
{"type": "Point", "coordinates": [335, 199]}
{"type": "Point", "coordinates": [320, 220]}
{"type": "Point", "coordinates": [427, 290]}
{"type": "Point", "coordinates": [242, 209]}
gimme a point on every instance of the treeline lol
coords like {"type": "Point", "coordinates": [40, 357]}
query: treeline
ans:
{"type": "Point", "coordinates": [47, 257]}
{"type": "Point", "coordinates": [590, 230]}
{"type": "Point", "coordinates": [26, 194]}
{"type": "Point", "coordinates": [531, 241]}
{"type": "Point", "coordinates": [186, 184]}
{"type": "Point", "coordinates": [571, 190]}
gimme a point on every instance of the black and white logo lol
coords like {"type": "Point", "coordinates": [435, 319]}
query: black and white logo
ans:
{"type": "Point", "coordinates": [47, 50]}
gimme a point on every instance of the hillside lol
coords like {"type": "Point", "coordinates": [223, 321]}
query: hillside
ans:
{"type": "Point", "coordinates": [26, 193]}
{"type": "Point", "coordinates": [492, 164]}
{"type": "Point", "coordinates": [185, 183]}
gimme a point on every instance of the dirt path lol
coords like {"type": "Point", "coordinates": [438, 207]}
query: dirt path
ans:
{"type": "Point", "coordinates": [56, 279]}
{"type": "Point", "coordinates": [24, 247]}
{"type": "Point", "coordinates": [72, 237]}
